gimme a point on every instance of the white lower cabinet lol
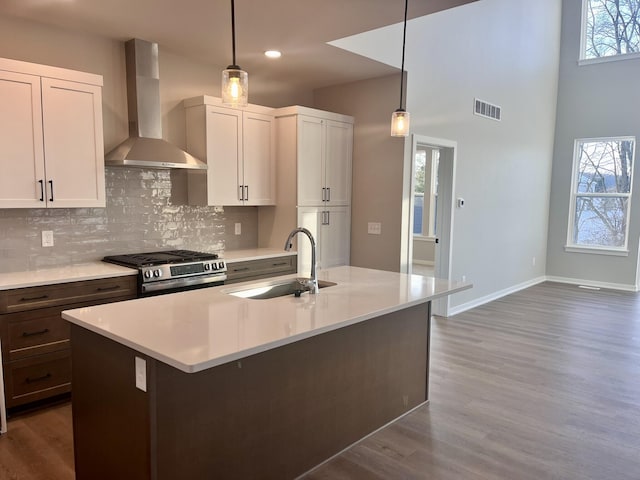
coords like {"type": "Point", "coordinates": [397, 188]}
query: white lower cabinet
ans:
{"type": "Point", "coordinates": [331, 228]}
{"type": "Point", "coordinates": [51, 139]}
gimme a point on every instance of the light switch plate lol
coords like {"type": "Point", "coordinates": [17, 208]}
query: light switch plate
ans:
{"type": "Point", "coordinates": [374, 228]}
{"type": "Point", "coordinates": [141, 374]}
{"type": "Point", "coordinates": [238, 228]}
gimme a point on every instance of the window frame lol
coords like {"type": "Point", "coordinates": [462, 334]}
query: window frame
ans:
{"type": "Point", "coordinates": [582, 57]}
{"type": "Point", "coordinates": [597, 249]}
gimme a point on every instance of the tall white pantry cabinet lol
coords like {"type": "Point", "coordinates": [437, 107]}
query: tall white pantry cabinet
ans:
{"type": "Point", "coordinates": [51, 138]}
{"type": "Point", "coordinates": [314, 156]}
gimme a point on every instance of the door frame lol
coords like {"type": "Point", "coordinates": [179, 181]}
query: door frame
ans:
{"type": "Point", "coordinates": [446, 206]}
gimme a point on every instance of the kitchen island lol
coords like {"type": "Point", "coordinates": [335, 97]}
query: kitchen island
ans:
{"type": "Point", "coordinates": [204, 384]}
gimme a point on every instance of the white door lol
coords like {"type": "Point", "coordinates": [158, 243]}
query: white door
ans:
{"type": "Point", "coordinates": [335, 237]}
{"type": "Point", "coordinates": [311, 144]}
{"type": "Point", "coordinates": [258, 159]}
{"type": "Point", "coordinates": [339, 147]}
{"type": "Point", "coordinates": [21, 150]}
{"type": "Point", "coordinates": [224, 151]}
{"type": "Point", "coordinates": [73, 144]}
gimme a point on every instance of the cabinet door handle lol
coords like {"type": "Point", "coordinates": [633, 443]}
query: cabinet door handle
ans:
{"type": "Point", "coordinates": [240, 192]}
{"type": "Point", "coordinates": [41, 182]}
{"type": "Point", "coordinates": [324, 194]}
{"type": "Point", "coordinates": [328, 194]}
{"type": "Point", "coordinates": [279, 264]}
{"type": "Point", "coordinates": [242, 269]}
{"type": "Point", "coordinates": [33, 299]}
{"type": "Point", "coordinates": [246, 193]}
{"type": "Point", "coordinates": [51, 190]}
{"type": "Point", "coordinates": [328, 217]}
{"type": "Point", "coordinates": [38, 379]}
{"type": "Point", "coordinates": [107, 289]}
{"type": "Point", "coordinates": [39, 332]}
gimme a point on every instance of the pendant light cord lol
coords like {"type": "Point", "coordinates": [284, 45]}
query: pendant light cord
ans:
{"type": "Point", "coordinates": [404, 39]}
{"type": "Point", "coordinates": [233, 31]}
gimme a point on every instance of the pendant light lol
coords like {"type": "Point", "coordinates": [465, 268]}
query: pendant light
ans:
{"type": "Point", "coordinates": [400, 118]}
{"type": "Point", "coordinates": [235, 81]}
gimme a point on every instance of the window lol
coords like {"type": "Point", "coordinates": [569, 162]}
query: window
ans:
{"type": "Point", "coordinates": [610, 28]}
{"type": "Point", "coordinates": [425, 191]}
{"type": "Point", "coordinates": [601, 194]}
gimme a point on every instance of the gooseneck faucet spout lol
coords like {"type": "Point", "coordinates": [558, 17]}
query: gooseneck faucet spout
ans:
{"type": "Point", "coordinates": [312, 283]}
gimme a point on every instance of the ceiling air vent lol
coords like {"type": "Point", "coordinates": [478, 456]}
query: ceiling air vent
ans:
{"type": "Point", "coordinates": [487, 110]}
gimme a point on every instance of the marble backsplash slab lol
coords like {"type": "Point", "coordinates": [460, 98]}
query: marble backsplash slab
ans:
{"type": "Point", "coordinates": [140, 216]}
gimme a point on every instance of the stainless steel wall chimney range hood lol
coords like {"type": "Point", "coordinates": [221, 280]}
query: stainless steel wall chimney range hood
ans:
{"type": "Point", "coordinates": [145, 146]}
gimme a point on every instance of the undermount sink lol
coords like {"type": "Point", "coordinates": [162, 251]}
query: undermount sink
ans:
{"type": "Point", "coordinates": [277, 289]}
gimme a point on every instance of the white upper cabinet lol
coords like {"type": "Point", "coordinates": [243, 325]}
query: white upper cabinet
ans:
{"type": "Point", "coordinates": [51, 144]}
{"type": "Point", "coordinates": [324, 161]}
{"type": "Point", "coordinates": [238, 148]}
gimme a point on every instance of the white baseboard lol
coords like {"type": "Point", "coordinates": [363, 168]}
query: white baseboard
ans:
{"type": "Point", "coordinates": [590, 283]}
{"type": "Point", "coordinates": [549, 278]}
{"type": "Point", "coordinates": [494, 296]}
{"type": "Point", "coordinates": [427, 263]}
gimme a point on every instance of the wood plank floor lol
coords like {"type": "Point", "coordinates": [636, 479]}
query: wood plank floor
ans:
{"type": "Point", "coordinates": [542, 384]}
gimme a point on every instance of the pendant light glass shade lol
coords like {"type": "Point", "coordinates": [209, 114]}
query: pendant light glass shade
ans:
{"type": "Point", "coordinates": [400, 123]}
{"type": "Point", "coordinates": [400, 118]}
{"type": "Point", "coordinates": [235, 87]}
{"type": "Point", "coordinates": [235, 81]}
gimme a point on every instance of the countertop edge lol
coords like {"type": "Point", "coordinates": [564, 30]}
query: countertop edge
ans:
{"type": "Point", "coordinates": [198, 367]}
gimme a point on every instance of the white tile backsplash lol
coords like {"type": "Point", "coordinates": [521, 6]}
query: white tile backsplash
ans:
{"type": "Point", "coordinates": [139, 216]}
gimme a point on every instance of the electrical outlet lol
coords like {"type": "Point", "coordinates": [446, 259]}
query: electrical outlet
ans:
{"type": "Point", "coordinates": [238, 229]}
{"type": "Point", "coordinates": [374, 228]}
{"type": "Point", "coordinates": [533, 262]}
{"type": "Point", "coordinates": [141, 374]}
{"type": "Point", "coordinates": [47, 238]}
{"type": "Point", "coordinates": [464, 278]}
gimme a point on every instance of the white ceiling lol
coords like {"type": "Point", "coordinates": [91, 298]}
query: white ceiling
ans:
{"type": "Point", "coordinates": [201, 30]}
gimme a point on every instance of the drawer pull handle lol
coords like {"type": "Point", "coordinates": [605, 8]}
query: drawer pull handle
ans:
{"type": "Point", "coordinates": [107, 289]}
{"type": "Point", "coordinates": [38, 379]}
{"type": "Point", "coordinates": [279, 264]}
{"type": "Point", "coordinates": [33, 299]}
{"type": "Point", "coordinates": [39, 332]}
{"type": "Point", "coordinates": [243, 269]}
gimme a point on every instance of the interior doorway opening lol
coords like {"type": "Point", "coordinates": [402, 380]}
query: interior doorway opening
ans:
{"type": "Point", "coordinates": [430, 198]}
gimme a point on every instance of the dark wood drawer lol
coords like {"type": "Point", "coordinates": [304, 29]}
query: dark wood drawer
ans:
{"type": "Point", "coordinates": [263, 268]}
{"type": "Point", "coordinates": [38, 377]}
{"type": "Point", "coordinates": [33, 333]}
{"type": "Point", "coordinates": [30, 298]}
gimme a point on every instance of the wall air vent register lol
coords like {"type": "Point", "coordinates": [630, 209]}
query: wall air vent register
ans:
{"type": "Point", "coordinates": [487, 110]}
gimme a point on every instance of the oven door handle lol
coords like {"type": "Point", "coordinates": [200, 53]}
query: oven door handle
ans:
{"type": "Point", "coordinates": [181, 282]}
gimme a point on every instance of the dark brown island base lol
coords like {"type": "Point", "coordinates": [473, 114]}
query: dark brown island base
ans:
{"type": "Point", "coordinates": [274, 414]}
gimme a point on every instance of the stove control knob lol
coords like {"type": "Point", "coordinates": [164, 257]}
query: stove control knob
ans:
{"type": "Point", "coordinates": [147, 274]}
{"type": "Point", "coordinates": [207, 267]}
{"type": "Point", "coordinates": [221, 265]}
{"type": "Point", "coordinates": [157, 273]}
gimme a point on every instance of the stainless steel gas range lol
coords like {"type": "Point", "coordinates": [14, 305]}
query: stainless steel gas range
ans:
{"type": "Point", "coordinates": [173, 270]}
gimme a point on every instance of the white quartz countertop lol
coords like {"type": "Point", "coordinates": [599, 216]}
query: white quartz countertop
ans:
{"type": "Point", "coordinates": [200, 329]}
{"type": "Point", "coordinates": [232, 256]}
{"type": "Point", "coordinates": [70, 273]}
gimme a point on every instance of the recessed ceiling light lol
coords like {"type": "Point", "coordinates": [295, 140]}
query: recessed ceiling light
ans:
{"type": "Point", "coordinates": [273, 54]}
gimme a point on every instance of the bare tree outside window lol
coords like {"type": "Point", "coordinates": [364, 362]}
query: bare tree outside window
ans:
{"type": "Point", "coordinates": [612, 27]}
{"type": "Point", "coordinates": [602, 192]}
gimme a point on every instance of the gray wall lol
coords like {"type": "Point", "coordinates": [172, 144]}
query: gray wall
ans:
{"type": "Point", "coordinates": [597, 100]}
{"type": "Point", "coordinates": [377, 167]}
{"type": "Point", "coordinates": [505, 52]}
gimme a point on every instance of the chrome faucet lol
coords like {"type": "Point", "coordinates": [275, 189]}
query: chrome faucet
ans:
{"type": "Point", "coordinates": [312, 283]}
